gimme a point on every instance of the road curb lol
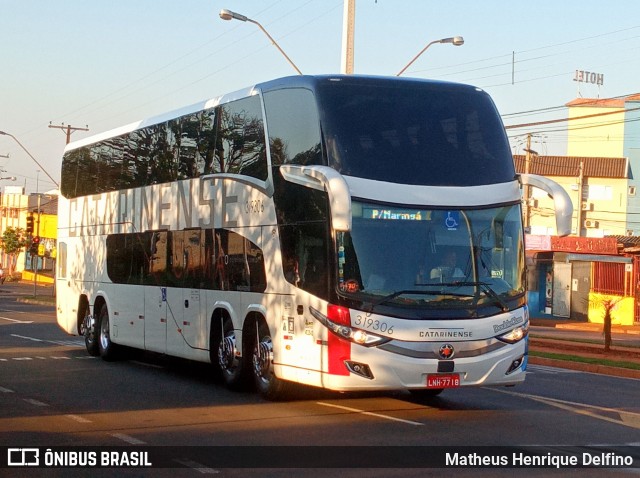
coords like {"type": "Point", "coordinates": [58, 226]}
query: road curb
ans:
{"type": "Point", "coordinates": [586, 367]}
{"type": "Point", "coordinates": [35, 301]}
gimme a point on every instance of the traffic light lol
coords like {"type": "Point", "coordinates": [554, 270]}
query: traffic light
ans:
{"type": "Point", "coordinates": [30, 223]}
{"type": "Point", "coordinates": [35, 242]}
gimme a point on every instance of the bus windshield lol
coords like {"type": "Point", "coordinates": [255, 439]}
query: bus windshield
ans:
{"type": "Point", "coordinates": [424, 133]}
{"type": "Point", "coordinates": [432, 259]}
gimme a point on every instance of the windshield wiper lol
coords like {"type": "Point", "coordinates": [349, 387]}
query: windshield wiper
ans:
{"type": "Point", "coordinates": [486, 288]}
{"type": "Point", "coordinates": [398, 293]}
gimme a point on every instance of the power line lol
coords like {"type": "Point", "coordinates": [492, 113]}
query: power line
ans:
{"type": "Point", "coordinates": [560, 120]}
{"type": "Point", "coordinates": [69, 129]}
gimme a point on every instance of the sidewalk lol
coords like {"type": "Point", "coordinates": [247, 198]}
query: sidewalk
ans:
{"type": "Point", "coordinates": [43, 294]}
{"type": "Point", "coordinates": [22, 287]}
{"type": "Point", "coordinates": [592, 356]}
{"type": "Point", "coordinates": [568, 324]}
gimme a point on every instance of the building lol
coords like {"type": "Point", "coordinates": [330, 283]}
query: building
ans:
{"type": "Point", "coordinates": [598, 187]}
{"type": "Point", "coordinates": [574, 276]}
{"type": "Point", "coordinates": [15, 207]}
{"type": "Point", "coordinates": [610, 128]}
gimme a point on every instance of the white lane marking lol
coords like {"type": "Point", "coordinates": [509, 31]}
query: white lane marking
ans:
{"type": "Point", "coordinates": [35, 402]}
{"type": "Point", "coordinates": [74, 343]}
{"type": "Point", "coordinates": [50, 357]}
{"type": "Point", "coordinates": [630, 419]}
{"type": "Point", "coordinates": [548, 369]}
{"type": "Point", "coordinates": [362, 412]}
{"type": "Point", "coordinates": [16, 321]}
{"type": "Point", "coordinates": [6, 390]}
{"type": "Point", "coordinates": [78, 418]}
{"type": "Point", "coordinates": [26, 338]}
{"type": "Point", "coordinates": [129, 439]}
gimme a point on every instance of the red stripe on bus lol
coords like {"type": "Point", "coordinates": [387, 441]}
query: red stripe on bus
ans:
{"type": "Point", "coordinates": [339, 350]}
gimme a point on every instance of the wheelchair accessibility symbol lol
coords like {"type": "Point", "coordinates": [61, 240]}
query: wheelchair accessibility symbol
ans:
{"type": "Point", "coordinates": [451, 221]}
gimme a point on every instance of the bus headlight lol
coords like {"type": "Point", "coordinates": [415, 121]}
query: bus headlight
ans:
{"type": "Point", "coordinates": [338, 321]}
{"type": "Point", "coordinates": [515, 335]}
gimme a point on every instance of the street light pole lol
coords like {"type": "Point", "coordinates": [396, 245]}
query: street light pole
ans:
{"type": "Point", "coordinates": [229, 15]}
{"type": "Point", "coordinates": [30, 155]}
{"type": "Point", "coordinates": [35, 263]}
{"type": "Point", "coordinates": [457, 41]}
{"type": "Point", "coordinates": [348, 33]}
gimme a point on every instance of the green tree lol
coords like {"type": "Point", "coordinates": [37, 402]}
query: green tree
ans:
{"type": "Point", "coordinates": [13, 240]}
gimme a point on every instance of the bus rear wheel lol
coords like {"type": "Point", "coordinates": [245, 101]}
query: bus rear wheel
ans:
{"type": "Point", "coordinates": [108, 349]}
{"type": "Point", "coordinates": [89, 330]}
{"type": "Point", "coordinates": [267, 384]}
{"type": "Point", "coordinates": [231, 365]}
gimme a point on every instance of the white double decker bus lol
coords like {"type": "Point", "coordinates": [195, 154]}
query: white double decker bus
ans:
{"type": "Point", "coordinates": [344, 232]}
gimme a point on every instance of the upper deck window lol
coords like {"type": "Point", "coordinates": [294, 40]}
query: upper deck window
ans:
{"type": "Point", "coordinates": [294, 126]}
{"type": "Point", "coordinates": [226, 139]}
{"type": "Point", "coordinates": [414, 133]}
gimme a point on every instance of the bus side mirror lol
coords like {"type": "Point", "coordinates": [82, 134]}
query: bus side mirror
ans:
{"type": "Point", "coordinates": [561, 200]}
{"type": "Point", "coordinates": [324, 178]}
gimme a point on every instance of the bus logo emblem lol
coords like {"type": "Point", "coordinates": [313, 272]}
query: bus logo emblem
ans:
{"type": "Point", "coordinates": [446, 351]}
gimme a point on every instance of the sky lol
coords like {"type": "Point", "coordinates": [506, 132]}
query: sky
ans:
{"type": "Point", "coordinates": [101, 64]}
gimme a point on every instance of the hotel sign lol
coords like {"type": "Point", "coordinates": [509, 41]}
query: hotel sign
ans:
{"type": "Point", "coordinates": [584, 76]}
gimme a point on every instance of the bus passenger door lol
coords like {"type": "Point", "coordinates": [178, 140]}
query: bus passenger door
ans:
{"type": "Point", "coordinates": [164, 320]}
{"type": "Point", "coordinates": [156, 293]}
{"type": "Point", "coordinates": [183, 301]}
{"type": "Point", "coordinates": [155, 319]}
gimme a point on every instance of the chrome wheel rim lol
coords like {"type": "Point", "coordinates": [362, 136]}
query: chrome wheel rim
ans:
{"type": "Point", "coordinates": [263, 359]}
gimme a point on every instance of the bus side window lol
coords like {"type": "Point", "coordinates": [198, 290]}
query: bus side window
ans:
{"type": "Point", "coordinates": [239, 263]}
{"type": "Point", "coordinates": [240, 139]}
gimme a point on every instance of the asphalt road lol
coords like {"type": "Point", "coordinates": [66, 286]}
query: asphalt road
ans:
{"type": "Point", "coordinates": [53, 394]}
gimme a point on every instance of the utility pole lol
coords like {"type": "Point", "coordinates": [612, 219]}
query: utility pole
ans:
{"type": "Point", "coordinates": [527, 188]}
{"type": "Point", "coordinates": [527, 191]}
{"type": "Point", "coordinates": [69, 129]}
{"type": "Point", "coordinates": [580, 183]}
{"type": "Point", "coordinates": [348, 31]}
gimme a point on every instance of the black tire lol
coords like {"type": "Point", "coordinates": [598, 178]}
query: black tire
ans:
{"type": "Point", "coordinates": [233, 367]}
{"type": "Point", "coordinates": [268, 385]}
{"type": "Point", "coordinates": [89, 328]}
{"type": "Point", "coordinates": [108, 350]}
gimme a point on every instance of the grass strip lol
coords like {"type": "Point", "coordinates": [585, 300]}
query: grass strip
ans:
{"type": "Point", "coordinates": [589, 360]}
{"type": "Point", "coordinates": [614, 342]}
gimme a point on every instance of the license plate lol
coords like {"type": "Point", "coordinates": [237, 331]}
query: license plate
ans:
{"type": "Point", "coordinates": [443, 380]}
